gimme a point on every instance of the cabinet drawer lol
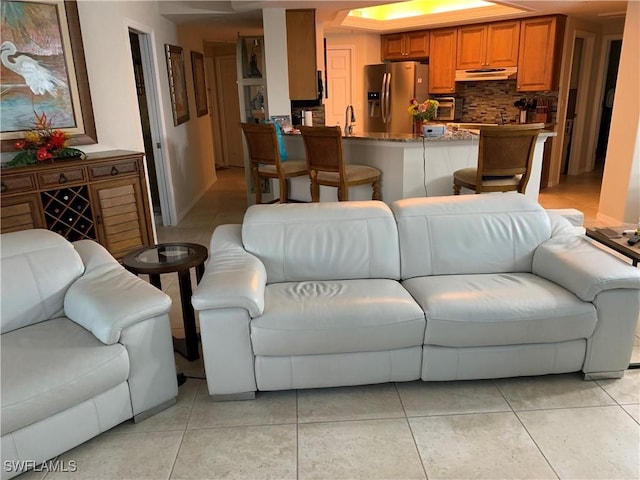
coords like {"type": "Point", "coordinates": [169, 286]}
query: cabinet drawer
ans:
{"type": "Point", "coordinates": [125, 167]}
{"type": "Point", "coordinates": [17, 183]}
{"type": "Point", "coordinates": [61, 177]}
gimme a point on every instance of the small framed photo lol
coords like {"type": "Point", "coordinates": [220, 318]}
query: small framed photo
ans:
{"type": "Point", "coordinates": [177, 84]}
{"type": "Point", "coordinates": [199, 83]}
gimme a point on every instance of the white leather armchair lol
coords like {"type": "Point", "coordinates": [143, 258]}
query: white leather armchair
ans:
{"type": "Point", "coordinates": [86, 345]}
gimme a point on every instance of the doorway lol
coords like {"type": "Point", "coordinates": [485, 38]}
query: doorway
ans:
{"type": "Point", "coordinates": [227, 133]}
{"type": "Point", "coordinates": [145, 72]}
{"type": "Point", "coordinates": [136, 57]}
{"type": "Point", "coordinates": [611, 77]}
{"type": "Point", "coordinates": [339, 80]}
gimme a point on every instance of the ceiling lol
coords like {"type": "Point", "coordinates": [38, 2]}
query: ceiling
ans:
{"type": "Point", "coordinates": [244, 16]}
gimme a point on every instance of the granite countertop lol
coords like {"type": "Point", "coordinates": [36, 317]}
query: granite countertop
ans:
{"type": "Point", "coordinates": [404, 137]}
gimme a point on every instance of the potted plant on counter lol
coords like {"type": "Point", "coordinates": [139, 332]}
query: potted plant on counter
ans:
{"type": "Point", "coordinates": [422, 112]}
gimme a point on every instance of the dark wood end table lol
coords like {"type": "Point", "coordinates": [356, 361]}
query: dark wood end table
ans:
{"type": "Point", "coordinates": [169, 258]}
{"type": "Point", "coordinates": [618, 244]}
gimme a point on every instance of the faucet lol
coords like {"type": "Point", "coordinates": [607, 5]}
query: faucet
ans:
{"type": "Point", "coordinates": [349, 120]}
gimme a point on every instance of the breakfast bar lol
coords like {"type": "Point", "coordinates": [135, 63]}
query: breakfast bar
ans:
{"type": "Point", "coordinates": [411, 165]}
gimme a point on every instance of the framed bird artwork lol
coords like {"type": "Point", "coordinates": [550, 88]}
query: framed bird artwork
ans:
{"type": "Point", "coordinates": [43, 71]}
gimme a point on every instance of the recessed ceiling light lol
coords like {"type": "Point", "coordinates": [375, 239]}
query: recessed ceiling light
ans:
{"type": "Point", "coordinates": [416, 8]}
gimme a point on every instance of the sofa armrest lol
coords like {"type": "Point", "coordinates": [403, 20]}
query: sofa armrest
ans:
{"type": "Point", "coordinates": [576, 264]}
{"type": "Point", "coordinates": [108, 298]}
{"type": "Point", "coordinates": [232, 277]}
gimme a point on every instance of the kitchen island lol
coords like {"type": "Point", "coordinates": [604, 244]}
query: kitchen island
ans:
{"type": "Point", "coordinates": [411, 165]}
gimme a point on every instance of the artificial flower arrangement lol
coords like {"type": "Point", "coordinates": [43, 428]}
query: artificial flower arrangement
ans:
{"type": "Point", "coordinates": [424, 111]}
{"type": "Point", "coordinates": [42, 143]}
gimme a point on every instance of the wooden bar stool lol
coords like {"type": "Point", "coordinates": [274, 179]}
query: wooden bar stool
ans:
{"type": "Point", "coordinates": [505, 156]}
{"type": "Point", "coordinates": [325, 162]}
{"type": "Point", "coordinates": [264, 154]}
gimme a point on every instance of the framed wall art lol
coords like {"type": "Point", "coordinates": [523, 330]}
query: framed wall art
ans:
{"type": "Point", "coordinates": [43, 70]}
{"type": "Point", "coordinates": [199, 84]}
{"type": "Point", "coordinates": [177, 84]}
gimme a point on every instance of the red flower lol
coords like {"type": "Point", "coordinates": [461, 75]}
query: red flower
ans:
{"type": "Point", "coordinates": [57, 139]}
{"type": "Point", "coordinates": [42, 154]}
{"type": "Point", "coordinates": [20, 144]}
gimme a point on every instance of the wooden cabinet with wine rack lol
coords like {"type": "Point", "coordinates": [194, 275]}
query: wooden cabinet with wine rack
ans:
{"type": "Point", "coordinates": [103, 198]}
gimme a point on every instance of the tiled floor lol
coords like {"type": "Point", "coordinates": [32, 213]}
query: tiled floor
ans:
{"type": "Point", "coordinates": [540, 427]}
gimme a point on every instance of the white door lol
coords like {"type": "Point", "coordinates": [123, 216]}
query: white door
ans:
{"type": "Point", "coordinates": [229, 111]}
{"type": "Point", "coordinates": [339, 84]}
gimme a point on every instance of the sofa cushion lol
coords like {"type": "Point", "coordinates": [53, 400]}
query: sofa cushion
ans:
{"type": "Point", "coordinates": [323, 241]}
{"type": "Point", "coordinates": [54, 365]}
{"type": "Point", "coordinates": [320, 317]}
{"type": "Point", "coordinates": [499, 309]}
{"type": "Point", "coordinates": [37, 268]}
{"type": "Point", "coordinates": [491, 233]}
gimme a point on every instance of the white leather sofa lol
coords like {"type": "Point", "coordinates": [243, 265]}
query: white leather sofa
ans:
{"type": "Point", "coordinates": [441, 288]}
{"type": "Point", "coordinates": [85, 346]}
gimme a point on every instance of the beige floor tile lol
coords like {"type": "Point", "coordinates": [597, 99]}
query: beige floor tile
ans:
{"type": "Point", "coordinates": [625, 390]}
{"type": "Point", "coordinates": [349, 403]}
{"type": "Point", "coordinates": [552, 391]}
{"type": "Point", "coordinates": [123, 456]}
{"type": "Point", "coordinates": [485, 445]}
{"type": "Point", "coordinates": [585, 443]}
{"type": "Point", "coordinates": [262, 452]}
{"type": "Point", "coordinates": [442, 398]}
{"type": "Point", "coordinates": [37, 474]}
{"type": "Point", "coordinates": [634, 411]}
{"type": "Point", "coordinates": [269, 408]}
{"type": "Point", "coordinates": [175, 417]}
{"type": "Point", "coordinates": [370, 449]}
{"type": "Point", "coordinates": [635, 354]}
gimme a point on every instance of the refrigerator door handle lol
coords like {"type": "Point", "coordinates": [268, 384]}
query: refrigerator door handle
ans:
{"type": "Point", "coordinates": [383, 102]}
{"type": "Point", "coordinates": [388, 98]}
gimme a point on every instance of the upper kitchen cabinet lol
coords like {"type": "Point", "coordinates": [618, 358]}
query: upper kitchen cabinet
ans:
{"type": "Point", "coordinates": [540, 53]}
{"type": "Point", "coordinates": [442, 60]}
{"type": "Point", "coordinates": [489, 45]}
{"type": "Point", "coordinates": [301, 53]}
{"type": "Point", "coordinates": [405, 46]}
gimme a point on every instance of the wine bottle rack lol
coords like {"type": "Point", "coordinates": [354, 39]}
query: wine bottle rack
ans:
{"type": "Point", "coordinates": [67, 211]}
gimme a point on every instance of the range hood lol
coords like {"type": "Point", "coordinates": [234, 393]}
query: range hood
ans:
{"type": "Point", "coordinates": [482, 74]}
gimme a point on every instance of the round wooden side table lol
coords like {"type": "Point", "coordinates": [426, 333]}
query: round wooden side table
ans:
{"type": "Point", "coordinates": [169, 258]}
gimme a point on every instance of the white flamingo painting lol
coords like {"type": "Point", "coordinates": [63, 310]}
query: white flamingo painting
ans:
{"type": "Point", "coordinates": [34, 73]}
{"type": "Point", "coordinates": [39, 79]}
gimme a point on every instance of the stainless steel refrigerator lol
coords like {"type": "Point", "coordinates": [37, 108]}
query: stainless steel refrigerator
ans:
{"type": "Point", "coordinates": [389, 88]}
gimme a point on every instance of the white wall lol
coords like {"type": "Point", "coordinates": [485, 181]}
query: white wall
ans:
{"type": "Point", "coordinates": [188, 148]}
{"type": "Point", "coordinates": [620, 193]}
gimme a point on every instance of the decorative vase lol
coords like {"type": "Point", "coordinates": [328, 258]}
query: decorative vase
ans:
{"type": "Point", "coordinates": [417, 127]}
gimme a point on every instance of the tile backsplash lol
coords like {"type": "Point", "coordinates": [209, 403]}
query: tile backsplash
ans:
{"type": "Point", "coordinates": [484, 101]}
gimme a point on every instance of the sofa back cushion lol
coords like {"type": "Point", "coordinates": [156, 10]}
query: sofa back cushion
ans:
{"type": "Point", "coordinates": [37, 267]}
{"type": "Point", "coordinates": [467, 234]}
{"type": "Point", "coordinates": [323, 241]}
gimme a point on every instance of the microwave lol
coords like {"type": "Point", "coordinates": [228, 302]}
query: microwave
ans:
{"type": "Point", "coordinates": [449, 109]}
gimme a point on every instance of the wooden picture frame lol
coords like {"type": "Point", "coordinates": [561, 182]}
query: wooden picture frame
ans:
{"type": "Point", "coordinates": [199, 83]}
{"type": "Point", "coordinates": [177, 84]}
{"type": "Point", "coordinates": [64, 96]}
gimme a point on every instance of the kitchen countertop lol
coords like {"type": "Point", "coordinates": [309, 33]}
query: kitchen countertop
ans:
{"type": "Point", "coordinates": [469, 133]}
{"type": "Point", "coordinates": [405, 137]}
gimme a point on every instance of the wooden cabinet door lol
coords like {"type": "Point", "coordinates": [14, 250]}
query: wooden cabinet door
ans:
{"type": "Point", "coordinates": [442, 60]}
{"type": "Point", "coordinates": [23, 212]}
{"type": "Point", "coordinates": [392, 46]}
{"type": "Point", "coordinates": [417, 45]}
{"type": "Point", "coordinates": [120, 215]}
{"type": "Point", "coordinates": [301, 54]}
{"type": "Point", "coordinates": [539, 54]}
{"type": "Point", "coordinates": [471, 49]}
{"type": "Point", "coordinates": [503, 39]}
